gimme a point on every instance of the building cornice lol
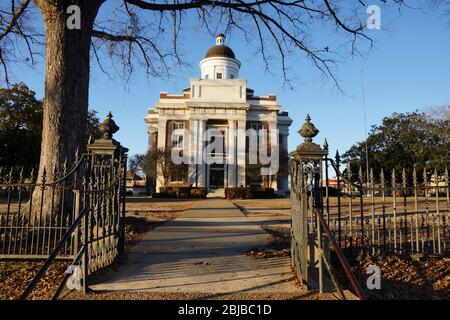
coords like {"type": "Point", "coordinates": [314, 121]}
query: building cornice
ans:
{"type": "Point", "coordinates": [217, 105]}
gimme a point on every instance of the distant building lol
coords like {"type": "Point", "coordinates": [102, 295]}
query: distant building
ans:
{"type": "Point", "coordinates": [135, 184]}
{"type": "Point", "coordinates": [334, 183]}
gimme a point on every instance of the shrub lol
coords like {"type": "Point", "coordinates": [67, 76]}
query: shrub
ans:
{"type": "Point", "coordinates": [198, 193]}
{"type": "Point", "coordinates": [266, 193]}
{"type": "Point", "coordinates": [249, 193]}
{"type": "Point", "coordinates": [182, 192]}
{"type": "Point", "coordinates": [164, 189]}
{"type": "Point", "coordinates": [171, 194]}
{"type": "Point", "coordinates": [235, 193]}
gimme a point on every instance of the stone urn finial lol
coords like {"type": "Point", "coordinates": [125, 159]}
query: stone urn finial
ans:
{"type": "Point", "coordinates": [308, 130]}
{"type": "Point", "coordinates": [108, 127]}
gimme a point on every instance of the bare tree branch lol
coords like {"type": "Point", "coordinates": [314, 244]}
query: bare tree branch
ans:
{"type": "Point", "coordinates": [148, 32]}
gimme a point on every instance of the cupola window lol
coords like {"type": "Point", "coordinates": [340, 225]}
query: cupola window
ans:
{"type": "Point", "coordinates": [219, 39]}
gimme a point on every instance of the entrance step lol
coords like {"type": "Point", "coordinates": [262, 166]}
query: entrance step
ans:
{"type": "Point", "coordinates": [217, 193]}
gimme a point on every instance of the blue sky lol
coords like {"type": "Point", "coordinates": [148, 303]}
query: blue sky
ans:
{"type": "Point", "coordinates": [408, 69]}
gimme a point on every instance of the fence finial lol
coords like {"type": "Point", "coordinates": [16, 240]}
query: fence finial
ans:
{"type": "Point", "coordinates": [108, 127]}
{"type": "Point", "coordinates": [338, 156]}
{"type": "Point", "coordinates": [308, 149]}
{"type": "Point", "coordinates": [308, 130]}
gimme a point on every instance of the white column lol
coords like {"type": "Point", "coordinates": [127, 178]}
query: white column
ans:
{"type": "Point", "coordinates": [201, 147]}
{"type": "Point", "coordinates": [232, 153]}
{"type": "Point", "coordinates": [274, 143]}
{"type": "Point", "coordinates": [240, 149]}
{"type": "Point", "coordinates": [150, 138]}
{"type": "Point", "coordinates": [193, 152]}
{"type": "Point", "coordinates": [162, 146]}
{"type": "Point", "coordinates": [162, 133]}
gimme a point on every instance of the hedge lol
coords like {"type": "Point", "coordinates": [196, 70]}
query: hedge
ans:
{"type": "Point", "coordinates": [182, 192]}
{"type": "Point", "coordinates": [249, 193]}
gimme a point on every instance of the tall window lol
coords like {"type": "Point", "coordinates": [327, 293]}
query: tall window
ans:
{"type": "Point", "coordinates": [253, 171]}
{"type": "Point", "coordinates": [257, 127]}
{"type": "Point", "coordinates": [177, 135]}
{"type": "Point", "coordinates": [219, 75]}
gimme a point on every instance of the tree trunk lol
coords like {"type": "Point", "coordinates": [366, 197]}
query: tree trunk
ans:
{"type": "Point", "coordinates": [66, 88]}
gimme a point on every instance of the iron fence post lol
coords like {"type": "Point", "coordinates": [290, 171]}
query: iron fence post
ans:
{"type": "Point", "coordinates": [319, 249]}
{"type": "Point", "coordinates": [338, 163]}
{"type": "Point", "coordinates": [86, 251]}
{"type": "Point", "coordinates": [122, 218]}
{"type": "Point", "coordinates": [76, 215]}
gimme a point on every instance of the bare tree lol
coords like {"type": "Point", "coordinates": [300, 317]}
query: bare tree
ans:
{"type": "Point", "coordinates": [158, 165]}
{"type": "Point", "coordinates": [147, 33]}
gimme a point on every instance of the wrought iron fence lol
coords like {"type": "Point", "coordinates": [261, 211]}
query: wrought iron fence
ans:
{"type": "Point", "coordinates": [383, 216]}
{"type": "Point", "coordinates": [76, 214]}
{"type": "Point", "coordinates": [372, 213]}
{"type": "Point", "coordinates": [36, 213]}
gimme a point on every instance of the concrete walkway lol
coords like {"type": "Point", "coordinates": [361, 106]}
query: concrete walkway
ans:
{"type": "Point", "coordinates": [202, 251]}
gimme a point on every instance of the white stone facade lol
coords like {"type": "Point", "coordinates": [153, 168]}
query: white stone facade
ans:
{"type": "Point", "coordinates": [218, 100]}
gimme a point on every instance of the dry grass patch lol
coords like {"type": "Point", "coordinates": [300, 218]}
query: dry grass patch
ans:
{"type": "Point", "coordinates": [137, 205]}
{"type": "Point", "coordinates": [408, 279]}
{"type": "Point", "coordinates": [16, 275]}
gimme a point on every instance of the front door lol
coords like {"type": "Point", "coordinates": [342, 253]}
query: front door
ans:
{"type": "Point", "coordinates": [216, 176]}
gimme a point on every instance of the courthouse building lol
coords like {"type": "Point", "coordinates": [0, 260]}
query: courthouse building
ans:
{"type": "Point", "coordinates": [218, 100]}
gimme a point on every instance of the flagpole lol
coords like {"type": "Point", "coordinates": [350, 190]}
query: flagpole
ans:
{"type": "Point", "coordinates": [365, 126]}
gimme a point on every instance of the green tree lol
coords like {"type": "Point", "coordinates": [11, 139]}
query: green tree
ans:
{"type": "Point", "coordinates": [92, 127]}
{"type": "Point", "coordinates": [21, 127]}
{"type": "Point", "coordinates": [403, 140]}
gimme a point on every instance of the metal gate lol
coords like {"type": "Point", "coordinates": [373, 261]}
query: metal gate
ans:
{"type": "Point", "coordinates": [79, 213]}
{"type": "Point", "coordinates": [369, 213]}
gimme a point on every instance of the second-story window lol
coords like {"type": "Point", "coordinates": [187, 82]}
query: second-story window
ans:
{"type": "Point", "coordinates": [257, 127]}
{"type": "Point", "coordinates": [177, 135]}
{"type": "Point", "coordinates": [219, 75]}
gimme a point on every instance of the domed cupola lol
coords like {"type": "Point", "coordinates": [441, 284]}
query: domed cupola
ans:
{"type": "Point", "coordinates": [220, 61]}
